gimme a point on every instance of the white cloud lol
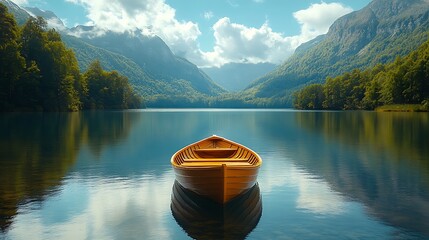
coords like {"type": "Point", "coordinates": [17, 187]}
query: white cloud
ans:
{"type": "Point", "coordinates": [208, 15]}
{"type": "Point", "coordinates": [150, 16]}
{"type": "Point", "coordinates": [59, 24]}
{"type": "Point", "coordinates": [238, 43]}
{"type": "Point", "coordinates": [233, 42]}
{"type": "Point", "coordinates": [317, 19]}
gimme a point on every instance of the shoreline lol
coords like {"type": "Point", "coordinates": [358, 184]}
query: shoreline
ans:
{"type": "Point", "coordinates": [401, 108]}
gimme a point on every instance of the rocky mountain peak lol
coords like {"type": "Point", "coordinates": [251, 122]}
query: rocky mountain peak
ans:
{"type": "Point", "coordinates": [386, 9]}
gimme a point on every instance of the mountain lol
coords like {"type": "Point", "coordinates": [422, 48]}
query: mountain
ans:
{"type": "Point", "coordinates": [236, 77]}
{"type": "Point", "coordinates": [20, 14]}
{"type": "Point", "coordinates": [87, 53]}
{"type": "Point", "coordinates": [155, 57]}
{"type": "Point", "coordinates": [48, 15]}
{"type": "Point", "coordinates": [163, 78]}
{"type": "Point", "coordinates": [378, 33]}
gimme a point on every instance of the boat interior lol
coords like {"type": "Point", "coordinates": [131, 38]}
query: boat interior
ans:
{"type": "Point", "coordinates": [215, 151]}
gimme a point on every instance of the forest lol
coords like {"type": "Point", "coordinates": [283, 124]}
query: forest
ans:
{"type": "Point", "coordinates": [39, 73]}
{"type": "Point", "coordinates": [404, 81]}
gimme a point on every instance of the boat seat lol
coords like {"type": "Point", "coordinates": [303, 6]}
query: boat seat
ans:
{"type": "Point", "coordinates": [216, 160]}
{"type": "Point", "coordinates": [215, 152]}
{"type": "Point", "coordinates": [204, 164]}
{"type": "Point", "coordinates": [214, 149]}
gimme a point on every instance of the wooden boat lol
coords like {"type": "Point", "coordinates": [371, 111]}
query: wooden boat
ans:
{"type": "Point", "coordinates": [216, 168]}
{"type": "Point", "coordinates": [202, 218]}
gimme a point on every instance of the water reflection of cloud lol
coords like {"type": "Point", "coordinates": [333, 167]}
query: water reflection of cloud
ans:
{"type": "Point", "coordinates": [314, 194]}
{"type": "Point", "coordinates": [273, 174]}
{"type": "Point", "coordinates": [121, 209]}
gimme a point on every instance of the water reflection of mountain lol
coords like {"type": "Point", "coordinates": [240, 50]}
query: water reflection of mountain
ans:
{"type": "Point", "coordinates": [378, 159]}
{"type": "Point", "coordinates": [38, 149]}
{"type": "Point", "coordinates": [204, 219]}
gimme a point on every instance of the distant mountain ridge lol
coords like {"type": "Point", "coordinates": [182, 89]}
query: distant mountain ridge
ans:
{"type": "Point", "coordinates": [154, 71]}
{"type": "Point", "coordinates": [236, 77]}
{"type": "Point", "coordinates": [378, 33]}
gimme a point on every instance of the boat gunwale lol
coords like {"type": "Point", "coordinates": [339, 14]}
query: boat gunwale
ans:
{"type": "Point", "coordinates": [257, 164]}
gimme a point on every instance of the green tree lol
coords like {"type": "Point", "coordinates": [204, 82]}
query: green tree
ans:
{"type": "Point", "coordinates": [354, 89]}
{"type": "Point", "coordinates": [32, 40]}
{"type": "Point", "coordinates": [108, 90]}
{"type": "Point", "coordinates": [310, 97]}
{"type": "Point", "coordinates": [393, 84]}
{"type": "Point", "coordinates": [371, 100]}
{"type": "Point", "coordinates": [65, 75]}
{"type": "Point", "coordinates": [12, 64]}
{"type": "Point", "coordinates": [28, 89]}
{"type": "Point", "coordinates": [60, 83]}
{"type": "Point", "coordinates": [334, 97]}
{"type": "Point", "coordinates": [93, 76]}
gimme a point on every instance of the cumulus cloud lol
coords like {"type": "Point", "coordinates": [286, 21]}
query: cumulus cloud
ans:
{"type": "Point", "coordinates": [239, 43]}
{"type": "Point", "coordinates": [234, 42]}
{"type": "Point", "coordinates": [317, 19]}
{"type": "Point", "coordinates": [150, 16]}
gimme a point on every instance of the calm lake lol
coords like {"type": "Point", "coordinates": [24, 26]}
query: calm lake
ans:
{"type": "Point", "coordinates": [107, 175]}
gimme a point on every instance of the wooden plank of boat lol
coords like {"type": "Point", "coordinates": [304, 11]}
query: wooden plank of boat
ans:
{"type": "Point", "coordinates": [216, 168]}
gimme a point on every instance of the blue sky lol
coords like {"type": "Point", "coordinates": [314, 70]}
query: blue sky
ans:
{"type": "Point", "coordinates": [211, 32]}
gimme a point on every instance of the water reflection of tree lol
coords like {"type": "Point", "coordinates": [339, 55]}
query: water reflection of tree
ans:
{"type": "Point", "coordinates": [402, 134]}
{"type": "Point", "coordinates": [37, 150]}
{"type": "Point", "coordinates": [392, 179]}
{"type": "Point", "coordinates": [104, 128]}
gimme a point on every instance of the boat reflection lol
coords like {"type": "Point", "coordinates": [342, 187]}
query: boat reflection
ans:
{"type": "Point", "coordinates": [202, 218]}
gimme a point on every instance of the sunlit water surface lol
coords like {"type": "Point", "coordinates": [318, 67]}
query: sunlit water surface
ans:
{"type": "Point", "coordinates": [107, 175]}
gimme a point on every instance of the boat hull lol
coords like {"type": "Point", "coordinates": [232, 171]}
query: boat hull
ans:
{"type": "Point", "coordinates": [216, 168]}
{"type": "Point", "coordinates": [219, 183]}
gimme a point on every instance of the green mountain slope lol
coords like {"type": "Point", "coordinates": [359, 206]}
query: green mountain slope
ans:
{"type": "Point", "coordinates": [376, 34]}
{"type": "Point", "coordinates": [156, 58]}
{"type": "Point", "coordinates": [154, 71]}
{"type": "Point", "coordinates": [87, 53]}
{"type": "Point", "coordinates": [398, 86]}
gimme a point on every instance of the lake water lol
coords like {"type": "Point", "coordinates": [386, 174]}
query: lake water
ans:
{"type": "Point", "coordinates": [107, 175]}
